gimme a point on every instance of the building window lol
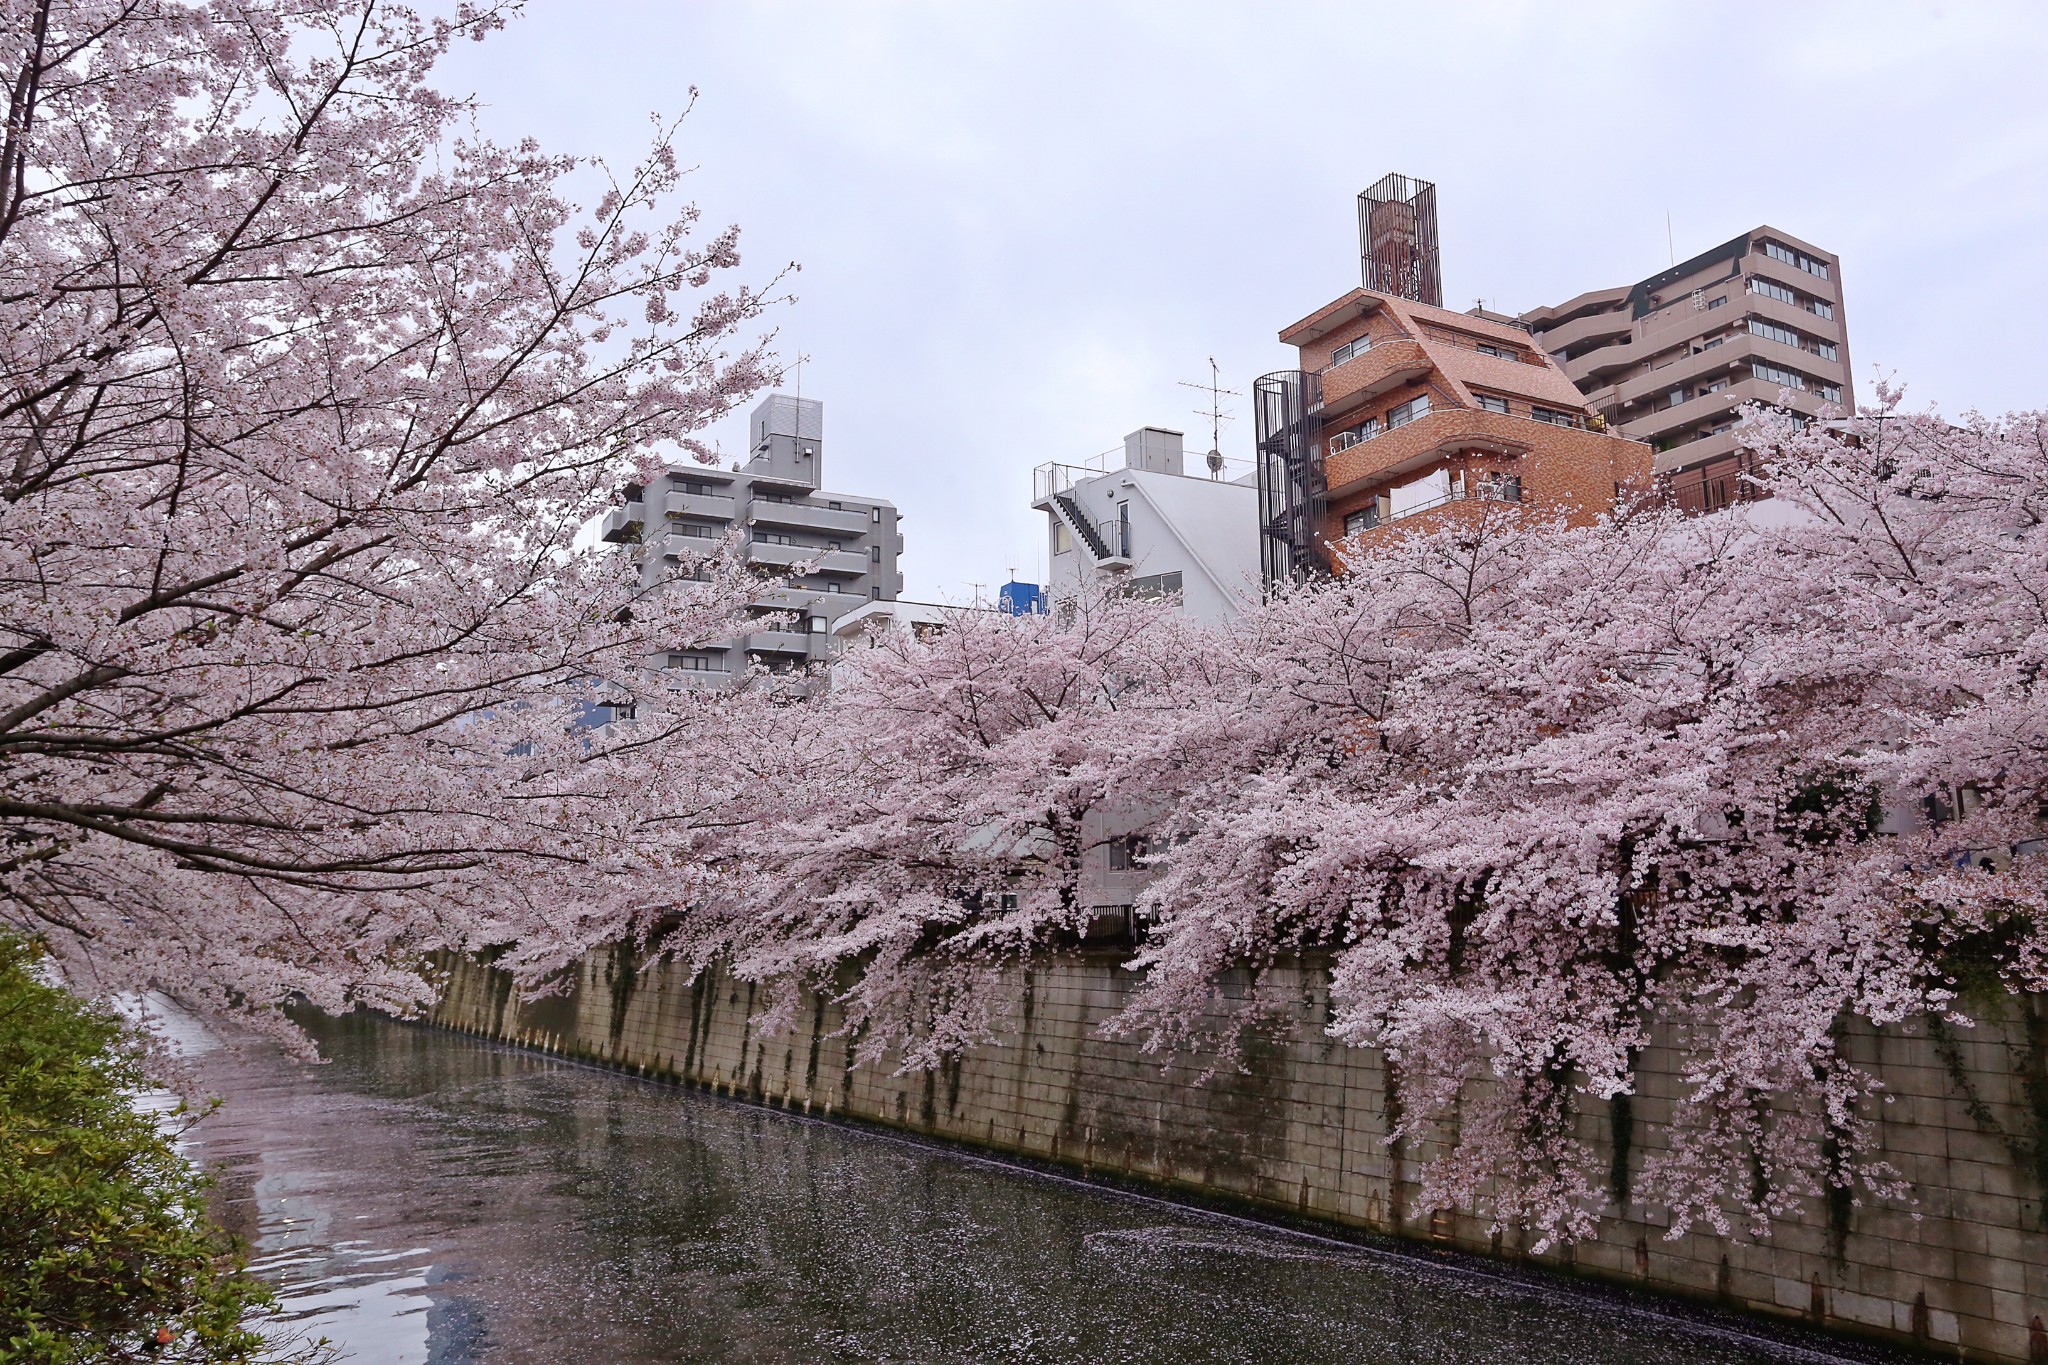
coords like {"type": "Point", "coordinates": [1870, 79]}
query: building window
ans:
{"type": "Point", "coordinates": [1712, 304]}
{"type": "Point", "coordinates": [1350, 349]}
{"type": "Point", "coordinates": [875, 593]}
{"type": "Point", "coordinates": [1127, 854]}
{"type": "Point", "coordinates": [1364, 519]}
{"type": "Point", "coordinates": [874, 554]}
{"type": "Point", "coordinates": [1351, 436]}
{"type": "Point", "coordinates": [878, 515]}
{"type": "Point", "coordinates": [1492, 402]}
{"type": "Point", "coordinates": [1062, 538]}
{"type": "Point", "coordinates": [1408, 412]}
{"type": "Point", "coordinates": [835, 507]}
{"type": "Point", "coordinates": [1830, 393]}
{"type": "Point", "coordinates": [1779, 252]}
{"type": "Point", "coordinates": [1502, 487]}
{"type": "Point", "coordinates": [693, 530]}
{"type": "Point", "coordinates": [1566, 419]}
{"type": "Point", "coordinates": [1674, 398]}
{"type": "Point", "coordinates": [1771, 331]}
{"type": "Point", "coordinates": [1155, 586]}
{"type": "Point", "coordinates": [1824, 349]}
{"type": "Point", "coordinates": [694, 487]}
{"type": "Point", "coordinates": [694, 662]}
{"type": "Point", "coordinates": [1820, 309]}
{"type": "Point", "coordinates": [1771, 289]}
{"type": "Point", "coordinates": [1715, 387]}
{"type": "Point", "coordinates": [1778, 375]}
{"type": "Point", "coordinates": [1504, 352]}
{"type": "Point", "coordinates": [1710, 345]}
{"type": "Point", "coordinates": [814, 625]}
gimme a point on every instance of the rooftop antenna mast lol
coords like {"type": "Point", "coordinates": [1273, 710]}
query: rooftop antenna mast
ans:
{"type": "Point", "coordinates": [1215, 413]}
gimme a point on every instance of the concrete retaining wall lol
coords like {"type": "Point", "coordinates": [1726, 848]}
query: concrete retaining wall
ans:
{"type": "Point", "coordinates": [1962, 1273]}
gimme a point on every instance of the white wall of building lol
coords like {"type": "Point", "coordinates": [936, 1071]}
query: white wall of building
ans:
{"type": "Point", "coordinates": [1204, 529]}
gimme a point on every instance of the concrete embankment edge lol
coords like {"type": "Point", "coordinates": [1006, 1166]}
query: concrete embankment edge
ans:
{"type": "Point", "coordinates": [1298, 1128]}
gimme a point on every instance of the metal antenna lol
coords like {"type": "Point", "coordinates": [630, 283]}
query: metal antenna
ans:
{"type": "Point", "coordinates": [1215, 413]}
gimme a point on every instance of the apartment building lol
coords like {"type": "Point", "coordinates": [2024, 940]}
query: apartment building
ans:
{"type": "Point", "coordinates": [1671, 359]}
{"type": "Point", "coordinates": [1138, 521]}
{"type": "Point", "coordinates": [834, 552]}
{"type": "Point", "coordinates": [1403, 410]}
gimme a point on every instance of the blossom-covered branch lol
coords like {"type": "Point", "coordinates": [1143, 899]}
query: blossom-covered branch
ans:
{"type": "Point", "coordinates": [305, 391]}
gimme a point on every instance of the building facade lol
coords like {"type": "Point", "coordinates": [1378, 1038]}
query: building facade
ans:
{"type": "Point", "coordinates": [1402, 410]}
{"type": "Point", "coordinates": [1671, 359]}
{"type": "Point", "coordinates": [1149, 528]}
{"type": "Point", "coordinates": [834, 552]}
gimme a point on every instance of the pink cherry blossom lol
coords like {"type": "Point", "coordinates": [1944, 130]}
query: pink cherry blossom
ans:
{"type": "Point", "coordinates": [307, 391]}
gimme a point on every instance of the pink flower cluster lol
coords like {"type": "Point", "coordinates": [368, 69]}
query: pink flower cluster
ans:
{"type": "Point", "coordinates": [1539, 796]}
{"type": "Point", "coordinates": [304, 395]}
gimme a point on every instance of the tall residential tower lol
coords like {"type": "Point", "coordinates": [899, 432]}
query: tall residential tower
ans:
{"type": "Point", "coordinates": [1671, 359]}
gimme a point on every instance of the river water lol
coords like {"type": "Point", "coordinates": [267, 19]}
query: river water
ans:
{"type": "Point", "coordinates": [427, 1197]}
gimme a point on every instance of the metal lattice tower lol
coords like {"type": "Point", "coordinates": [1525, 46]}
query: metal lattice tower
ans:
{"type": "Point", "coordinates": [1397, 240]}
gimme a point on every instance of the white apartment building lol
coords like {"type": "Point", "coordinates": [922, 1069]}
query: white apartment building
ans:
{"type": "Point", "coordinates": [1151, 528]}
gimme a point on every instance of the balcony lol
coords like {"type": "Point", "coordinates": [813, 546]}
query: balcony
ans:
{"type": "Point", "coordinates": [761, 472]}
{"type": "Point", "coordinates": [1365, 376]}
{"type": "Point", "coordinates": [1597, 365]}
{"type": "Point", "coordinates": [817, 558]}
{"type": "Point", "coordinates": [1706, 448]}
{"type": "Point", "coordinates": [1688, 369]}
{"type": "Point", "coordinates": [1609, 326]}
{"type": "Point", "coordinates": [1424, 439]}
{"type": "Point", "coordinates": [1505, 491]}
{"type": "Point", "coordinates": [1705, 408]}
{"type": "Point", "coordinates": [778, 642]}
{"type": "Point", "coordinates": [811, 601]}
{"type": "Point", "coordinates": [696, 679]}
{"type": "Point", "coordinates": [709, 506]}
{"type": "Point", "coordinates": [622, 525]}
{"type": "Point", "coordinates": [849, 523]}
{"type": "Point", "coordinates": [690, 547]}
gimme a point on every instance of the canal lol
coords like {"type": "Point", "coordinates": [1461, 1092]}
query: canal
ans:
{"type": "Point", "coordinates": [426, 1197]}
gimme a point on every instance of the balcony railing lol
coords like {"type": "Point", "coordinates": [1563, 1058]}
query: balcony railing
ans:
{"type": "Point", "coordinates": [1503, 491]}
{"type": "Point", "coordinates": [852, 523]}
{"type": "Point", "coordinates": [1051, 479]}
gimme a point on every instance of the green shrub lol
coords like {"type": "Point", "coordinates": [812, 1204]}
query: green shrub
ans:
{"type": "Point", "coordinates": [106, 1250]}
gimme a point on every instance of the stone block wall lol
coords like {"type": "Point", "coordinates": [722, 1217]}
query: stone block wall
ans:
{"type": "Point", "coordinates": [1300, 1126]}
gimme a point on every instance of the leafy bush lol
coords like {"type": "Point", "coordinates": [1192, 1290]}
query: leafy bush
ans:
{"type": "Point", "coordinates": [106, 1250]}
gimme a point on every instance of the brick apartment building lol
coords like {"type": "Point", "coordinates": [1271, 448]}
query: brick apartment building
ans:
{"type": "Point", "coordinates": [1671, 359]}
{"type": "Point", "coordinates": [1411, 411]}
{"type": "Point", "coordinates": [1402, 408]}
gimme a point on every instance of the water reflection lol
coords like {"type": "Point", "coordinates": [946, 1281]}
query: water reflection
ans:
{"type": "Point", "coordinates": [428, 1198]}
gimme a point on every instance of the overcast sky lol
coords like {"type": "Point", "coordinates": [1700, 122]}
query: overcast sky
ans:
{"type": "Point", "coordinates": [1021, 225]}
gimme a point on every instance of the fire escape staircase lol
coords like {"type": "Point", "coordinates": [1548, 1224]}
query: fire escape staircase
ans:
{"type": "Point", "coordinates": [1091, 535]}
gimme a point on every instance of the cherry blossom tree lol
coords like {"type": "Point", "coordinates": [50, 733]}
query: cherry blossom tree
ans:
{"type": "Point", "coordinates": [925, 825]}
{"type": "Point", "coordinates": [305, 390]}
{"type": "Point", "coordinates": [1540, 797]}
